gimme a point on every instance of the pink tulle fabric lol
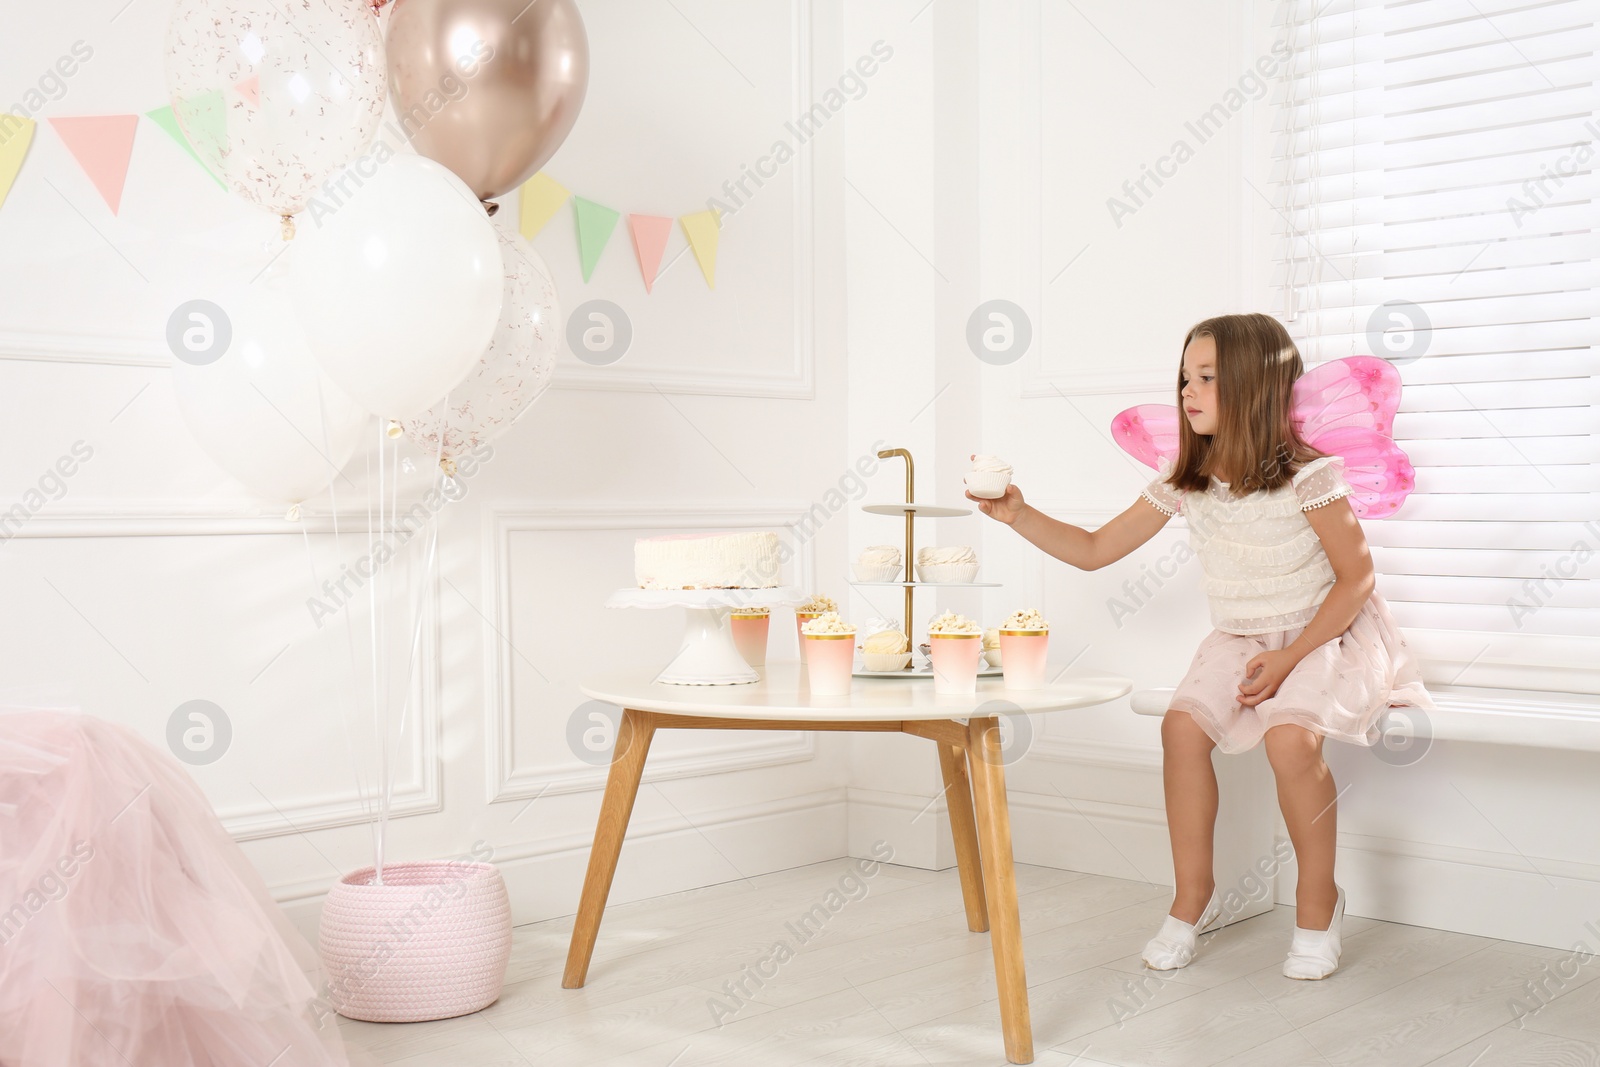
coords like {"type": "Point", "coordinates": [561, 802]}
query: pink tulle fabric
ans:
{"type": "Point", "coordinates": [1341, 689]}
{"type": "Point", "coordinates": [135, 930]}
{"type": "Point", "coordinates": [1344, 407]}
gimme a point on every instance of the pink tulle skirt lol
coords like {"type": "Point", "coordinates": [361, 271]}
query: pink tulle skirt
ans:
{"type": "Point", "coordinates": [135, 931]}
{"type": "Point", "coordinates": [1341, 689]}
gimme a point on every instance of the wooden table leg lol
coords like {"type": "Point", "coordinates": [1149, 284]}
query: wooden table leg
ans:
{"type": "Point", "coordinates": [1000, 883]}
{"type": "Point", "coordinates": [622, 785]}
{"type": "Point", "coordinates": [958, 802]}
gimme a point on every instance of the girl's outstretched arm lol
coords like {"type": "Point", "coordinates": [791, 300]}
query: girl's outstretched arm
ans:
{"type": "Point", "coordinates": [1082, 548]}
{"type": "Point", "coordinates": [1346, 547]}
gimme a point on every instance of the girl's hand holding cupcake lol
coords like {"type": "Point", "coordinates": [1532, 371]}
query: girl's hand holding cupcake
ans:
{"type": "Point", "coordinates": [989, 483]}
{"type": "Point", "coordinates": [1007, 508]}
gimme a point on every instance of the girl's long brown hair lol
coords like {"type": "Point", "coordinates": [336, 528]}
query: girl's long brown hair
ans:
{"type": "Point", "coordinates": [1256, 446]}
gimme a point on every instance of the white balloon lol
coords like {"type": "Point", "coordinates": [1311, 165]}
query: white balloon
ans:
{"type": "Point", "coordinates": [275, 97]}
{"type": "Point", "coordinates": [513, 371]}
{"type": "Point", "coordinates": [264, 411]}
{"type": "Point", "coordinates": [398, 287]}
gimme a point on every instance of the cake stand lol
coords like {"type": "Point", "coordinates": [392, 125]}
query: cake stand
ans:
{"type": "Point", "coordinates": [708, 655]}
{"type": "Point", "coordinates": [913, 511]}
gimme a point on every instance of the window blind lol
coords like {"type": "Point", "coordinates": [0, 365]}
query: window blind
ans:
{"type": "Point", "coordinates": [1433, 192]}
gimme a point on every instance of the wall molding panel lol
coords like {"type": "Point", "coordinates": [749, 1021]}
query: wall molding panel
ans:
{"type": "Point", "coordinates": [509, 781]}
{"type": "Point", "coordinates": [417, 794]}
{"type": "Point", "coordinates": [1028, 186]}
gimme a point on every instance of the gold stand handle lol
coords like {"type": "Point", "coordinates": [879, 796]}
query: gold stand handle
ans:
{"type": "Point", "coordinates": [911, 496]}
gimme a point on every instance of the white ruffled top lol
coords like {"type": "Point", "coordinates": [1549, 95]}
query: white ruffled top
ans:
{"type": "Point", "coordinates": [1265, 569]}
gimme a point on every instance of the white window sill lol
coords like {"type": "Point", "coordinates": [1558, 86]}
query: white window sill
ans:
{"type": "Point", "coordinates": [1485, 716]}
{"type": "Point", "coordinates": [1514, 717]}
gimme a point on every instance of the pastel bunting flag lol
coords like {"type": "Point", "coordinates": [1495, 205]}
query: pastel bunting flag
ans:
{"type": "Point", "coordinates": [203, 119]}
{"type": "Point", "coordinates": [595, 223]}
{"type": "Point", "coordinates": [541, 196]}
{"type": "Point", "coordinates": [650, 233]}
{"type": "Point", "coordinates": [167, 119]}
{"type": "Point", "coordinates": [249, 90]}
{"type": "Point", "coordinates": [701, 230]}
{"type": "Point", "coordinates": [102, 145]}
{"type": "Point", "coordinates": [16, 133]}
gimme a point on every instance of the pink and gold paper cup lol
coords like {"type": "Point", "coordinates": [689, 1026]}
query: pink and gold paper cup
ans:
{"type": "Point", "coordinates": [829, 659]}
{"type": "Point", "coordinates": [800, 619]}
{"type": "Point", "coordinates": [954, 659]}
{"type": "Point", "coordinates": [1022, 655]}
{"type": "Point", "coordinates": [750, 636]}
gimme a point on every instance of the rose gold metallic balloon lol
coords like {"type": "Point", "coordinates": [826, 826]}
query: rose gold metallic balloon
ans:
{"type": "Point", "coordinates": [489, 88]}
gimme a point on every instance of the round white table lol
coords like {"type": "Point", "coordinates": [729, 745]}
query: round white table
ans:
{"type": "Point", "coordinates": [966, 729]}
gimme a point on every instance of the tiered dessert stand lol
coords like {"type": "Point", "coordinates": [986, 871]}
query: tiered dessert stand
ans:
{"type": "Point", "coordinates": [913, 511]}
{"type": "Point", "coordinates": [708, 655]}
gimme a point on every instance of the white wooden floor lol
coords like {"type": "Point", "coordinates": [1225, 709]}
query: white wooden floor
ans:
{"type": "Point", "coordinates": [894, 977]}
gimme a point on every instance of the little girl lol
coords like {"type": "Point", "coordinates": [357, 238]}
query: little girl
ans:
{"type": "Point", "coordinates": [1303, 648]}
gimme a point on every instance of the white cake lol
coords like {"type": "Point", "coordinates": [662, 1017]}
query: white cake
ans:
{"type": "Point", "coordinates": [707, 561]}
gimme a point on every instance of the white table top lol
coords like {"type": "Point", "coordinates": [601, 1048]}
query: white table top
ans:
{"type": "Point", "coordinates": [773, 597]}
{"type": "Point", "coordinates": [782, 694]}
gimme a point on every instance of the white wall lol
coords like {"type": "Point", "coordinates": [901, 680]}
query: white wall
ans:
{"type": "Point", "coordinates": [156, 579]}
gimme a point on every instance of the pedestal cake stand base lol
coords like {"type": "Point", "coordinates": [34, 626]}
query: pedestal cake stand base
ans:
{"type": "Point", "coordinates": [707, 655]}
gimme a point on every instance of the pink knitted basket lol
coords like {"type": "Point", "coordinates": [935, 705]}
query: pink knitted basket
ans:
{"type": "Point", "coordinates": [430, 943]}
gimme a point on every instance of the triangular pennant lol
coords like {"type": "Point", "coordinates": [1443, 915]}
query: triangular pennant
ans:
{"type": "Point", "coordinates": [167, 119]}
{"type": "Point", "coordinates": [541, 196]}
{"type": "Point", "coordinates": [203, 118]}
{"type": "Point", "coordinates": [102, 145]}
{"type": "Point", "coordinates": [595, 223]}
{"type": "Point", "coordinates": [701, 230]}
{"type": "Point", "coordinates": [249, 89]}
{"type": "Point", "coordinates": [16, 133]}
{"type": "Point", "coordinates": [650, 233]}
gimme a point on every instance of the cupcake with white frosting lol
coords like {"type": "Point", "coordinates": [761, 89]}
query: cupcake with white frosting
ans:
{"type": "Point", "coordinates": [955, 563]}
{"type": "Point", "coordinates": [878, 563]}
{"type": "Point", "coordinates": [886, 650]}
{"type": "Point", "coordinates": [988, 477]}
{"type": "Point", "coordinates": [991, 646]}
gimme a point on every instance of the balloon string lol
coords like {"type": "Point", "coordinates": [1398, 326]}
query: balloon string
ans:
{"type": "Point", "coordinates": [426, 579]}
{"type": "Point", "coordinates": [416, 618]}
{"type": "Point", "coordinates": [393, 730]}
{"type": "Point", "coordinates": [366, 799]}
{"type": "Point", "coordinates": [344, 723]}
{"type": "Point", "coordinates": [366, 459]}
{"type": "Point", "coordinates": [392, 527]}
{"type": "Point", "coordinates": [381, 734]}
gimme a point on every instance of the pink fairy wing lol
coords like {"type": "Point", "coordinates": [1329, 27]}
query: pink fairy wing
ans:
{"type": "Point", "coordinates": [1354, 391]}
{"type": "Point", "coordinates": [1148, 432]}
{"type": "Point", "coordinates": [1346, 408]}
{"type": "Point", "coordinates": [1377, 469]}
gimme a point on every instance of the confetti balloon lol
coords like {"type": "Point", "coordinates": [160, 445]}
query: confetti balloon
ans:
{"type": "Point", "coordinates": [276, 95]}
{"type": "Point", "coordinates": [513, 371]}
